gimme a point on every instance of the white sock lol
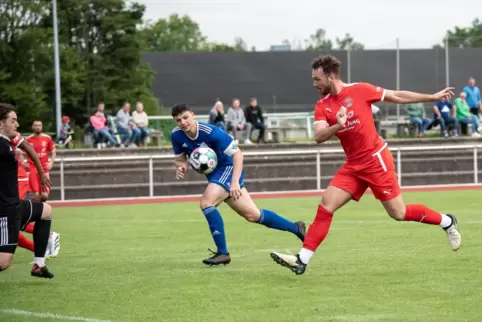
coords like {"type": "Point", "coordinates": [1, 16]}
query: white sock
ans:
{"type": "Point", "coordinates": [305, 255]}
{"type": "Point", "coordinates": [39, 261]}
{"type": "Point", "coordinates": [446, 221]}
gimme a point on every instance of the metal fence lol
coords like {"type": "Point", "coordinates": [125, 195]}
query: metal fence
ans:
{"type": "Point", "coordinates": [398, 151]}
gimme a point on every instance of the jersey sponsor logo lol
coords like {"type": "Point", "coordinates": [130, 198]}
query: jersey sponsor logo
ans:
{"type": "Point", "coordinates": [350, 114]}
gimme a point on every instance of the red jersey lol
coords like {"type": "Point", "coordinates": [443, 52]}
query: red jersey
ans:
{"type": "Point", "coordinates": [359, 137]}
{"type": "Point", "coordinates": [42, 144]}
{"type": "Point", "coordinates": [15, 143]}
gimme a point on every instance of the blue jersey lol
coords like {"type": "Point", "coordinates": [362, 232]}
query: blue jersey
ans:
{"type": "Point", "coordinates": [218, 140]}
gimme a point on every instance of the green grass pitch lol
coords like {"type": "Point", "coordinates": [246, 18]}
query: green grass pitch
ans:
{"type": "Point", "coordinates": [143, 263]}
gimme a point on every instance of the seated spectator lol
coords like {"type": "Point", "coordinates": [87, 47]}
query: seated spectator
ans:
{"type": "Point", "coordinates": [237, 121]}
{"type": "Point", "coordinates": [126, 127]}
{"type": "Point", "coordinates": [464, 115]}
{"type": "Point", "coordinates": [100, 129]}
{"type": "Point", "coordinates": [254, 116]}
{"type": "Point", "coordinates": [140, 119]}
{"type": "Point", "coordinates": [65, 137]}
{"type": "Point", "coordinates": [444, 114]}
{"type": "Point", "coordinates": [416, 112]}
{"type": "Point", "coordinates": [216, 116]}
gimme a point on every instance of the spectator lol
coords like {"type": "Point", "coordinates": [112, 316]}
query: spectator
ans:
{"type": "Point", "coordinates": [473, 97]}
{"type": "Point", "coordinates": [237, 121]}
{"type": "Point", "coordinates": [140, 119]}
{"type": "Point", "coordinates": [98, 122]}
{"type": "Point", "coordinates": [416, 112]}
{"type": "Point", "coordinates": [126, 127]}
{"type": "Point", "coordinates": [464, 115]}
{"type": "Point", "coordinates": [444, 114]}
{"type": "Point", "coordinates": [65, 138]}
{"type": "Point", "coordinates": [216, 116]}
{"type": "Point", "coordinates": [376, 118]}
{"type": "Point", "coordinates": [254, 116]}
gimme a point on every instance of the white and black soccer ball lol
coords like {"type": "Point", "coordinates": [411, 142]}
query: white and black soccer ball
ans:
{"type": "Point", "coordinates": [203, 159]}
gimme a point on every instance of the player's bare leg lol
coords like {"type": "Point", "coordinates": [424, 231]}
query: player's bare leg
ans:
{"type": "Point", "coordinates": [333, 199]}
{"type": "Point", "coordinates": [212, 197]}
{"type": "Point", "coordinates": [5, 260]}
{"type": "Point", "coordinates": [398, 210]}
{"type": "Point", "coordinates": [41, 236]}
{"type": "Point", "coordinates": [247, 209]}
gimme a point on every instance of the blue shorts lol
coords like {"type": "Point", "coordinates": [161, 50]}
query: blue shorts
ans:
{"type": "Point", "coordinates": [223, 175]}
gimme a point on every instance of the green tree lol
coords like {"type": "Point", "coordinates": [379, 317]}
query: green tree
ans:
{"type": "Point", "coordinates": [176, 33]}
{"type": "Point", "coordinates": [318, 42]}
{"type": "Point", "coordinates": [348, 43]}
{"type": "Point", "coordinates": [464, 37]}
{"type": "Point", "coordinates": [25, 58]}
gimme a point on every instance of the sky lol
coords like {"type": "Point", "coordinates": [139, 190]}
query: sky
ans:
{"type": "Point", "coordinates": [375, 23]}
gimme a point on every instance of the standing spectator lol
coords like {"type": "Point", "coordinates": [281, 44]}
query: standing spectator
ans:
{"type": "Point", "coordinates": [473, 97]}
{"type": "Point", "coordinates": [376, 118]}
{"type": "Point", "coordinates": [444, 113]}
{"type": "Point", "coordinates": [254, 116]}
{"type": "Point", "coordinates": [126, 127]}
{"type": "Point", "coordinates": [98, 122]}
{"type": "Point", "coordinates": [140, 119]}
{"type": "Point", "coordinates": [416, 112]}
{"type": "Point", "coordinates": [237, 121]}
{"type": "Point", "coordinates": [216, 116]}
{"type": "Point", "coordinates": [464, 115]}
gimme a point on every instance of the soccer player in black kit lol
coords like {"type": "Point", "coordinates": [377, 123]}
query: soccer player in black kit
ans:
{"type": "Point", "coordinates": [16, 213]}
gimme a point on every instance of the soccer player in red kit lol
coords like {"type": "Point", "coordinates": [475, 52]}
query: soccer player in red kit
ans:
{"type": "Point", "coordinates": [345, 111]}
{"type": "Point", "coordinates": [43, 145]}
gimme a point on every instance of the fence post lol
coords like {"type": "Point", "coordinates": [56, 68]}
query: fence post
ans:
{"type": "Point", "coordinates": [309, 125]}
{"type": "Point", "coordinates": [318, 171]}
{"type": "Point", "coordinates": [476, 166]}
{"type": "Point", "coordinates": [399, 166]}
{"type": "Point", "coordinates": [151, 177]}
{"type": "Point", "coordinates": [62, 183]}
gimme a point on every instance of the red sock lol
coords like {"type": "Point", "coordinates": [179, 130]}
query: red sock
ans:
{"type": "Point", "coordinates": [318, 229]}
{"type": "Point", "coordinates": [24, 242]}
{"type": "Point", "coordinates": [422, 214]}
{"type": "Point", "coordinates": [29, 228]}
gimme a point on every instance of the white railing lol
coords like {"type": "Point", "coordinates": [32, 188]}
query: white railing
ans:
{"type": "Point", "coordinates": [318, 152]}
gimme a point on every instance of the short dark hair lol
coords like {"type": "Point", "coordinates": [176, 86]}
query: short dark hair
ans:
{"type": "Point", "coordinates": [36, 121]}
{"type": "Point", "coordinates": [328, 64]}
{"type": "Point", "coordinates": [179, 109]}
{"type": "Point", "coordinates": [5, 109]}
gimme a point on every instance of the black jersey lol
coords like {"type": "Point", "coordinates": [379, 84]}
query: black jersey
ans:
{"type": "Point", "coordinates": [8, 176]}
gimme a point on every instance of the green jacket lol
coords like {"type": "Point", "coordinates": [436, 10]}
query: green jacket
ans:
{"type": "Point", "coordinates": [415, 110]}
{"type": "Point", "coordinates": [462, 109]}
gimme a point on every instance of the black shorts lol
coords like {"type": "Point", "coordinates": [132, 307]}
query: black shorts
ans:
{"type": "Point", "coordinates": [30, 211]}
{"type": "Point", "coordinates": [10, 222]}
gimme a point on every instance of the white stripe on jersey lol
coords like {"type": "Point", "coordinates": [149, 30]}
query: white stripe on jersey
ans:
{"type": "Point", "coordinates": [205, 128]}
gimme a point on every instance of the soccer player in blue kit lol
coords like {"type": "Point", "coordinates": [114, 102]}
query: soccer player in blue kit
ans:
{"type": "Point", "coordinates": [225, 183]}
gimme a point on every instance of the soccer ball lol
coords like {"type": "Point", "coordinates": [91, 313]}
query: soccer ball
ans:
{"type": "Point", "coordinates": [203, 160]}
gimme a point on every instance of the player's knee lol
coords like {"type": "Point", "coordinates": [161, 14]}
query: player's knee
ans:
{"type": "Point", "coordinates": [329, 206]}
{"type": "Point", "coordinates": [5, 263]}
{"type": "Point", "coordinates": [206, 203]}
{"type": "Point", "coordinates": [47, 212]}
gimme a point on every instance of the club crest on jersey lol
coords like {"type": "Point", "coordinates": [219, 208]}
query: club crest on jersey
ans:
{"type": "Point", "coordinates": [44, 144]}
{"type": "Point", "coordinates": [348, 102]}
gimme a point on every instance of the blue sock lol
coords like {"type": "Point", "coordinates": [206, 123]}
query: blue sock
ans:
{"type": "Point", "coordinates": [216, 226]}
{"type": "Point", "coordinates": [275, 221]}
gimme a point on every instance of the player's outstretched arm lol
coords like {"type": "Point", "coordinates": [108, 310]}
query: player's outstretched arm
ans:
{"type": "Point", "coordinates": [323, 132]}
{"type": "Point", "coordinates": [407, 97]}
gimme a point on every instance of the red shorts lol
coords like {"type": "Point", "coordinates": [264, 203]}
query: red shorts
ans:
{"type": "Point", "coordinates": [23, 188]}
{"type": "Point", "coordinates": [378, 174]}
{"type": "Point", "coordinates": [34, 181]}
